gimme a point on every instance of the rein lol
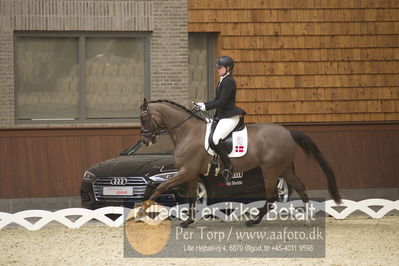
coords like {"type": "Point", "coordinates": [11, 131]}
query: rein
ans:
{"type": "Point", "coordinates": [155, 132]}
{"type": "Point", "coordinates": [179, 124]}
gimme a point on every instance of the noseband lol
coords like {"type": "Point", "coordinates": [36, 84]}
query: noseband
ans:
{"type": "Point", "coordinates": [152, 132]}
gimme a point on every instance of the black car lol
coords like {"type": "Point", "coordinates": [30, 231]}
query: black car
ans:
{"type": "Point", "coordinates": [132, 177]}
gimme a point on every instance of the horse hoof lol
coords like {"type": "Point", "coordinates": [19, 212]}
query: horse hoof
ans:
{"type": "Point", "coordinates": [186, 223]}
{"type": "Point", "coordinates": [250, 223]}
{"type": "Point", "coordinates": [140, 214]}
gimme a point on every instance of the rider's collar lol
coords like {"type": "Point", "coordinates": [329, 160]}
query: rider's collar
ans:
{"type": "Point", "coordinates": [222, 77]}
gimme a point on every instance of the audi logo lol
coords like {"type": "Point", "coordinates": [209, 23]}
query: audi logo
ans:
{"type": "Point", "coordinates": [238, 175]}
{"type": "Point", "coordinates": [119, 181]}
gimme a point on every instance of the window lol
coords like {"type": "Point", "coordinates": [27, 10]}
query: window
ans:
{"type": "Point", "coordinates": [80, 77]}
{"type": "Point", "coordinates": [47, 78]}
{"type": "Point", "coordinates": [201, 66]}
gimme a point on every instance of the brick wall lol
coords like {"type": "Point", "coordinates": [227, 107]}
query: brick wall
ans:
{"type": "Point", "coordinates": [170, 51]}
{"type": "Point", "coordinates": [165, 19]}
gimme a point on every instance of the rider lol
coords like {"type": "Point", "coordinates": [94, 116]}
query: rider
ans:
{"type": "Point", "coordinates": [227, 112]}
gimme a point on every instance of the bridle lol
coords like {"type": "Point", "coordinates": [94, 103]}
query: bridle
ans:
{"type": "Point", "coordinates": [154, 131]}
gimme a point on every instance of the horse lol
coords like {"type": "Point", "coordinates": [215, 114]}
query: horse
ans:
{"type": "Point", "coordinates": [270, 146]}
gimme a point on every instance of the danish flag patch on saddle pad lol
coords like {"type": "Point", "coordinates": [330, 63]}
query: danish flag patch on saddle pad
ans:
{"type": "Point", "coordinates": [236, 142]}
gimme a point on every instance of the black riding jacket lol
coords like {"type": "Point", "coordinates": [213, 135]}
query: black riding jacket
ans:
{"type": "Point", "coordinates": [225, 100]}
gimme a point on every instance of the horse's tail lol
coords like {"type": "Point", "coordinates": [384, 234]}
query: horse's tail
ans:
{"type": "Point", "coordinates": [312, 150]}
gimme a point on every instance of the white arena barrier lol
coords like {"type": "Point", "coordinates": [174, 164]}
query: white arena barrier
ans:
{"type": "Point", "coordinates": [240, 209]}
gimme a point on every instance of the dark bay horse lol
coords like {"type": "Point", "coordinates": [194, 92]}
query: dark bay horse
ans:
{"type": "Point", "coordinates": [270, 147]}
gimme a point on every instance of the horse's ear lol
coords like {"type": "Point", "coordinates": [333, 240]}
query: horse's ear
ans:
{"type": "Point", "coordinates": [145, 104]}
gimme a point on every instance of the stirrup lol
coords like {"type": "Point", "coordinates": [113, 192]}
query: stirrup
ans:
{"type": "Point", "coordinates": [227, 175]}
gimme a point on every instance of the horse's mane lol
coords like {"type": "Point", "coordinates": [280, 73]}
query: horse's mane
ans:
{"type": "Point", "coordinates": [181, 107]}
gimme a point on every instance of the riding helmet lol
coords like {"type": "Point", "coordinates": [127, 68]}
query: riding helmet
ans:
{"type": "Point", "coordinates": [225, 61]}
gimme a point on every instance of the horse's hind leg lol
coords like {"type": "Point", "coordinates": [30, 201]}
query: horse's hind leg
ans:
{"type": "Point", "coordinates": [293, 180]}
{"type": "Point", "coordinates": [192, 197]}
{"type": "Point", "coordinates": [271, 196]}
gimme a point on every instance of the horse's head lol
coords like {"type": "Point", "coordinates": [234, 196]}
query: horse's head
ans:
{"type": "Point", "coordinates": [149, 126]}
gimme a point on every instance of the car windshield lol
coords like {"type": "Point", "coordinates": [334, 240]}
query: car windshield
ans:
{"type": "Point", "coordinates": [163, 145]}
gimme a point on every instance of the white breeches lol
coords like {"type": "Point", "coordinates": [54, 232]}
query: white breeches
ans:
{"type": "Point", "coordinates": [224, 128]}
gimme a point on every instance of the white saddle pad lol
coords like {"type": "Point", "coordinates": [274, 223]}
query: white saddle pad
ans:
{"type": "Point", "coordinates": [240, 141]}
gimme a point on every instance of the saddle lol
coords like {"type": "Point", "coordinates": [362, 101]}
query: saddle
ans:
{"type": "Point", "coordinates": [236, 142]}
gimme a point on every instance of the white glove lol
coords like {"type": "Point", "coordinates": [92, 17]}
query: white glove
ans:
{"type": "Point", "coordinates": [201, 106]}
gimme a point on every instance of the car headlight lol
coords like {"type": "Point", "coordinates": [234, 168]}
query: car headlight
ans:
{"type": "Point", "coordinates": [162, 177]}
{"type": "Point", "coordinates": [88, 176]}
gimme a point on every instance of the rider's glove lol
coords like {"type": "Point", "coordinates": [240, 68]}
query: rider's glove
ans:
{"type": "Point", "coordinates": [201, 106]}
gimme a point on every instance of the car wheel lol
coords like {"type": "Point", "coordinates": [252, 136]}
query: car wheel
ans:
{"type": "Point", "coordinates": [283, 190]}
{"type": "Point", "coordinates": [202, 194]}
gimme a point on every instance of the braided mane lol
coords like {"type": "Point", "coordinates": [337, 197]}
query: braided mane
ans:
{"type": "Point", "coordinates": [181, 107]}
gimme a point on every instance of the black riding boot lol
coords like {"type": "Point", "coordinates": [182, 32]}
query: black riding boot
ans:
{"type": "Point", "coordinates": [228, 169]}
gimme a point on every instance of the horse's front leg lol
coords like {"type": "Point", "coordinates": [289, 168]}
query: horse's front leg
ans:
{"type": "Point", "coordinates": [192, 197]}
{"type": "Point", "coordinates": [181, 177]}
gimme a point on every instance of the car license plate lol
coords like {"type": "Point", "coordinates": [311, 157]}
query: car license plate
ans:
{"type": "Point", "coordinates": [117, 191]}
